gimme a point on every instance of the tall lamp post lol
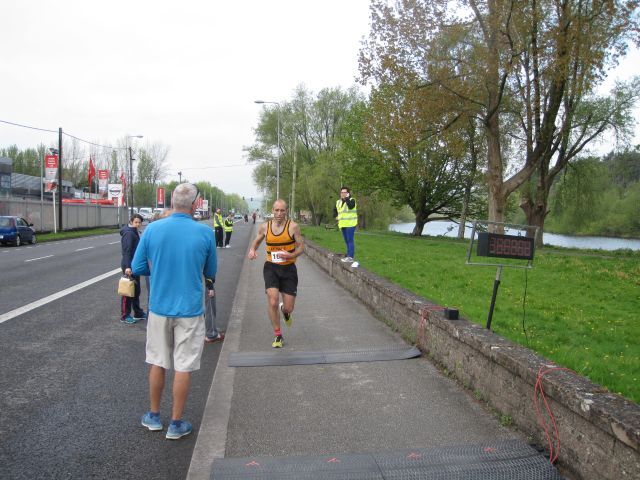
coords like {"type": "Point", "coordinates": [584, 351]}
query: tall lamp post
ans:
{"type": "Point", "coordinates": [131, 172]}
{"type": "Point", "coordinates": [278, 160]}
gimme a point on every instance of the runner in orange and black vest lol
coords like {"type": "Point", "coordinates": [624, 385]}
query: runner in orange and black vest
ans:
{"type": "Point", "coordinates": [284, 245]}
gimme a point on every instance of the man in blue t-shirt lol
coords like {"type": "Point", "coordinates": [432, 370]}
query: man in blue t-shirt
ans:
{"type": "Point", "coordinates": [177, 253]}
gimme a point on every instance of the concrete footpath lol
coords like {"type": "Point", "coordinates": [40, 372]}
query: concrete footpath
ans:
{"type": "Point", "coordinates": [333, 408]}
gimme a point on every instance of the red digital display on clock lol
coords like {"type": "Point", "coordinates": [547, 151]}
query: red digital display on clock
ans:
{"type": "Point", "coordinates": [505, 246]}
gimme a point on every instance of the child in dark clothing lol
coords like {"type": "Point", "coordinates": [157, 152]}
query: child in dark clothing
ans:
{"type": "Point", "coordinates": [129, 239]}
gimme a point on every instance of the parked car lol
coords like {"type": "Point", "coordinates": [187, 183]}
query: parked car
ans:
{"type": "Point", "coordinates": [238, 216]}
{"type": "Point", "coordinates": [16, 230]}
{"type": "Point", "coordinates": [146, 213]}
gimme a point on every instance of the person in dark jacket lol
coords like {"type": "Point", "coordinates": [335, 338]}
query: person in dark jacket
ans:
{"type": "Point", "coordinates": [129, 239]}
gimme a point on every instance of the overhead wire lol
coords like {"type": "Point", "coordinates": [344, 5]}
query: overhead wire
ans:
{"type": "Point", "coordinates": [27, 126]}
{"type": "Point", "coordinates": [92, 143]}
{"type": "Point", "coordinates": [216, 166]}
{"type": "Point", "coordinates": [64, 133]}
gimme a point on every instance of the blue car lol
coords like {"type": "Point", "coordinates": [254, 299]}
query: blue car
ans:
{"type": "Point", "coordinates": [16, 230]}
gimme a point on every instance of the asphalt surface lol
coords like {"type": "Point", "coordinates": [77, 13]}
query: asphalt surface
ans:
{"type": "Point", "coordinates": [327, 409]}
{"type": "Point", "coordinates": [74, 381]}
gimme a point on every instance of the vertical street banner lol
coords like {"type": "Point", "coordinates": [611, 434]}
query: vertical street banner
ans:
{"type": "Point", "coordinates": [123, 197]}
{"type": "Point", "coordinates": [116, 193]}
{"type": "Point", "coordinates": [160, 197]}
{"type": "Point", "coordinates": [91, 174]}
{"type": "Point", "coordinates": [103, 181]}
{"type": "Point", "coordinates": [50, 171]}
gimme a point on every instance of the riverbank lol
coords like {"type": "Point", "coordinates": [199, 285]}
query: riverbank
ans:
{"type": "Point", "coordinates": [577, 310]}
{"type": "Point", "coordinates": [443, 228]}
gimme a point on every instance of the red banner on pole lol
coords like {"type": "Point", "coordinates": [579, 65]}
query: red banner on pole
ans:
{"type": "Point", "coordinates": [92, 173]}
{"type": "Point", "coordinates": [50, 171]}
{"type": "Point", "coordinates": [160, 197]}
{"type": "Point", "coordinates": [103, 181]}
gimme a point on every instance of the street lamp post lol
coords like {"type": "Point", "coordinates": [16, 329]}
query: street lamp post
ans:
{"type": "Point", "coordinates": [278, 159]}
{"type": "Point", "coordinates": [180, 175]}
{"type": "Point", "coordinates": [131, 172]}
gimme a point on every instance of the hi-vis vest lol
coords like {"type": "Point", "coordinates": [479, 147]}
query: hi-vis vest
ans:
{"type": "Point", "coordinates": [217, 220]}
{"type": "Point", "coordinates": [228, 225]}
{"type": "Point", "coordinates": [279, 243]}
{"type": "Point", "coordinates": [346, 217]}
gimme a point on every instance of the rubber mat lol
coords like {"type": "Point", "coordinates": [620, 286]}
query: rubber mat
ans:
{"type": "Point", "coordinates": [284, 357]}
{"type": "Point", "coordinates": [506, 460]}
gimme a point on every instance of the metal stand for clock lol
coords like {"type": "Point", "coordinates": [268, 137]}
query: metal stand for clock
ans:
{"type": "Point", "coordinates": [495, 242]}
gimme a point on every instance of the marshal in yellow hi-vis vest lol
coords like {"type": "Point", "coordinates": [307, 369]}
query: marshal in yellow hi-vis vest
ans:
{"type": "Point", "coordinates": [346, 217]}
{"type": "Point", "coordinates": [283, 242]}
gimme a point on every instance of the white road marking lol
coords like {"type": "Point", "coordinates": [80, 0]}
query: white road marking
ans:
{"type": "Point", "coordinates": [43, 301]}
{"type": "Point", "coordinates": [85, 248]}
{"type": "Point", "coordinates": [113, 243]}
{"type": "Point", "coordinates": [39, 258]}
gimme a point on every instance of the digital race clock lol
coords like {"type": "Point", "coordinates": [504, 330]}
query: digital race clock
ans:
{"type": "Point", "coordinates": [505, 246]}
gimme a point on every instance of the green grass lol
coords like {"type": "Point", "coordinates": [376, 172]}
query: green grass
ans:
{"type": "Point", "coordinates": [581, 307]}
{"type": "Point", "coordinates": [65, 235]}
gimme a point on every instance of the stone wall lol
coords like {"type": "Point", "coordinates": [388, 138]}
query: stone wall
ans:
{"type": "Point", "coordinates": [599, 431]}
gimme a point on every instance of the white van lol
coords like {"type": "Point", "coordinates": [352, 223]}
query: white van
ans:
{"type": "Point", "coordinates": [146, 212]}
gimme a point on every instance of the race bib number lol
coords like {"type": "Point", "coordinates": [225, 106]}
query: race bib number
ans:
{"type": "Point", "coordinates": [276, 257]}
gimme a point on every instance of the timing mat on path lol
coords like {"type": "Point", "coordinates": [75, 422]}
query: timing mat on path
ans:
{"type": "Point", "coordinates": [283, 357]}
{"type": "Point", "coordinates": [507, 460]}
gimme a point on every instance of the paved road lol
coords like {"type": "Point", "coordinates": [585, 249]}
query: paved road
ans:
{"type": "Point", "coordinates": [73, 382]}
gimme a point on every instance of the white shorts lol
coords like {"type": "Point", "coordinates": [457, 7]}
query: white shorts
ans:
{"type": "Point", "coordinates": [176, 341]}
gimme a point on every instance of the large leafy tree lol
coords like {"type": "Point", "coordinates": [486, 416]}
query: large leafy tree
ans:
{"type": "Point", "coordinates": [406, 143]}
{"type": "Point", "coordinates": [586, 120]}
{"type": "Point", "coordinates": [522, 65]}
{"type": "Point", "coordinates": [310, 133]}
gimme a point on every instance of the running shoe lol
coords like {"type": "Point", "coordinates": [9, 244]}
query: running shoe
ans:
{"type": "Point", "coordinates": [218, 338]}
{"type": "Point", "coordinates": [278, 342]}
{"type": "Point", "coordinates": [288, 318]}
{"type": "Point", "coordinates": [152, 421]}
{"type": "Point", "coordinates": [178, 429]}
{"type": "Point", "coordinates": [129, 320]}
{"type": "Point", "coordinates": [355, 265]}
{"type": "Point", "coordinates": [140, 316]}
{"type": "Point", "coordinates": [346, 259]}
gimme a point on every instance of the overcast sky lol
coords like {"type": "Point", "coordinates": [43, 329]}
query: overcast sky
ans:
{"type": "Point", "coordinates": [182, 73]}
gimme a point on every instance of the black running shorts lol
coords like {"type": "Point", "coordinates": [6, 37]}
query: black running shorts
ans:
{"type": "Point", "coordinates": [282, 277]}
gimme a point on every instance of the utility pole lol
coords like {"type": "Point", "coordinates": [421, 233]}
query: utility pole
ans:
{"type": "Point", "coordinates": [293, 180]}
{"type": "Point", "coordinates": [131, 180]}
{"type": "Point", "coordinates": [180, 175]}
{"type": "Point", "coordinates": [60, 178]}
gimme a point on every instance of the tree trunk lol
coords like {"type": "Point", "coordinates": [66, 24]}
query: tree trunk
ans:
{"type": "Point", "coordinates": [417, 229]}
{"type": "Point", "coordinates": [462, 225]}
{"type": "Point", "coordinates": [536, 212]}
{"type": "Point", "coordinates": [471, 129]}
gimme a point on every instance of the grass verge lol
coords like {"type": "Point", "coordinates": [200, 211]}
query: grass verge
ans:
{"type": "Point", "coordinates": [581, 308]}
{"type": "Point", "coordinates": [65, 235]}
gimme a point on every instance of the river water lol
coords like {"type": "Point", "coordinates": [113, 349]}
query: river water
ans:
{"type": "Point", "coordinates": [450, 229]}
